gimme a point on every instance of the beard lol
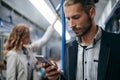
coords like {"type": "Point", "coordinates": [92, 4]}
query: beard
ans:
{"type": "Point", "coordinates": [86, 28]}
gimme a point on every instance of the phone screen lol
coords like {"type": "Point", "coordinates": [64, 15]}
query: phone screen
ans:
{"type": "Point", "coordinates": [44, 60]}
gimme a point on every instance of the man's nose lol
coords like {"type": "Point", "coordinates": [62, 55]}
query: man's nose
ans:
{"type": "Point", "coordinates": [72, 23]}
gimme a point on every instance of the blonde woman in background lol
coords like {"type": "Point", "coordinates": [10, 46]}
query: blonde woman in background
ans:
{"type": "Point", "coordinates": [20, 61]}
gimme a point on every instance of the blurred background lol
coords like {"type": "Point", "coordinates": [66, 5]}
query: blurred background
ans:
{"type": "Point", "coordinates": [39, 14]}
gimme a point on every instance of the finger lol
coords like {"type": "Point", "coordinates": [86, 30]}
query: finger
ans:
{"type": "Point", "coordinates": [55, 77]}
{"type": "Point", "coordinates": [54, 72]}
{"type": "Point", "coordinates": [59, 70]}
{"type": "Point", "coordinates": [46, 69]}
{"type": "Point", "coordinates": [50, 68]}
{"type": "Point", "coordinates": [54, 64]}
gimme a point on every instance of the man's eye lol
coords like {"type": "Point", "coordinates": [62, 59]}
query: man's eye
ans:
{"type": "Point", "coordinates": [68, 19]}
{"type": "Point", "coordinates": [76, 17]}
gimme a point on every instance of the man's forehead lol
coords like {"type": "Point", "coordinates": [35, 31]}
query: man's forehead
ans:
{"type": "Point", "coordinates": [73, 8]}
{"type": "Point", "coordinates": [77, 5]}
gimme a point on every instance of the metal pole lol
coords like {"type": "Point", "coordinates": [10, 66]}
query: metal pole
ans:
{"type": "Point", "coordinates": [63, 36]}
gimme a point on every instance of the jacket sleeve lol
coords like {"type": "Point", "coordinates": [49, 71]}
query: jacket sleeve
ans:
{"type": "Point", "coordinates": [11, 65]}
{"type": "Point", "coordinates": [42, 41]}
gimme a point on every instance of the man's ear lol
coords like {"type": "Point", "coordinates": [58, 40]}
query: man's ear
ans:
{"type": "Point", "coordinates": [92, 12]}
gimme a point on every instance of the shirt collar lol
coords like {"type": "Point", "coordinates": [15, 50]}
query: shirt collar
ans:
{"type": "Point", "coordinates": [96, 38]}
{"type": "Point", "coordinates": [98, 35]}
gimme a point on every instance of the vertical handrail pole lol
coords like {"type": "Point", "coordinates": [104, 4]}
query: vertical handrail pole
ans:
{"type": "Point", "coordinates": [63, 36]}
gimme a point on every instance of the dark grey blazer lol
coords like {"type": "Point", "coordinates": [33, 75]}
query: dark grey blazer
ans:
{"type": "Point", "coordinates": [109, 58]}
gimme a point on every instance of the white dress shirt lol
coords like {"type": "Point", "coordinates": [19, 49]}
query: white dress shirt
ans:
{"type": "Point", "coordinates": [87, 60]}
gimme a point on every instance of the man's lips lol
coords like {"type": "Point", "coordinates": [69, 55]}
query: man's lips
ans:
{"type": "Point", "coordinates": [77, 30]}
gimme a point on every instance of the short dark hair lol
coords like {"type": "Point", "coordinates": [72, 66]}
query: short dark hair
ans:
{"type": "Point", "coordinates": [85, 4]}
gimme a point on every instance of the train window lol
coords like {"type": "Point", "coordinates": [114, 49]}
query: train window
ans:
{"type": "Point", "coordinates": [113, 23]}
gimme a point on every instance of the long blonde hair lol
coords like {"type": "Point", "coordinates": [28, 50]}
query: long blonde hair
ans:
{"type": "Point", "coordinates": [19, 36]}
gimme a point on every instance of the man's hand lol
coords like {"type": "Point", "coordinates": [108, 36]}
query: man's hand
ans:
{"type": "Point", "coordinates": [52, 72]}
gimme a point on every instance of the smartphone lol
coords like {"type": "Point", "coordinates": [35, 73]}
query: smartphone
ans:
{"type": "Point", "coordinates": [43, 59]}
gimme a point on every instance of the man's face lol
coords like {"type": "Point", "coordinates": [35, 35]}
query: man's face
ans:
{"type": "Point", "coordinates": [79, 21]}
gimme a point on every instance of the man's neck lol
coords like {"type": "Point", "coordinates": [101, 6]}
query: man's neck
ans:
{"type": "Point", "coordinates": [89, 37]}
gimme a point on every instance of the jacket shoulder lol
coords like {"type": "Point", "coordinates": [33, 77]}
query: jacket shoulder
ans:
{"type": "Point", "coordinates": [72, 43]}
{"type": "Point", "coordinates": [111, 38]}
{"type": "Point", "coordinates": [12, 53]}
{"type": "Point", "coordinates": [108, 35]}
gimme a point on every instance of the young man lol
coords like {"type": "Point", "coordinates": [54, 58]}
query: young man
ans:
{"type": "Point", "coordinates": [95, 54]}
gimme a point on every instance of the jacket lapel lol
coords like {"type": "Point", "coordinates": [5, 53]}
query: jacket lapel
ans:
{"type": "Point", "coordinates": [73, 60]}
{"type": "Point", "coordinates": [103, 57]}
{"type": "Point", "coordinates": [22, 60]}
